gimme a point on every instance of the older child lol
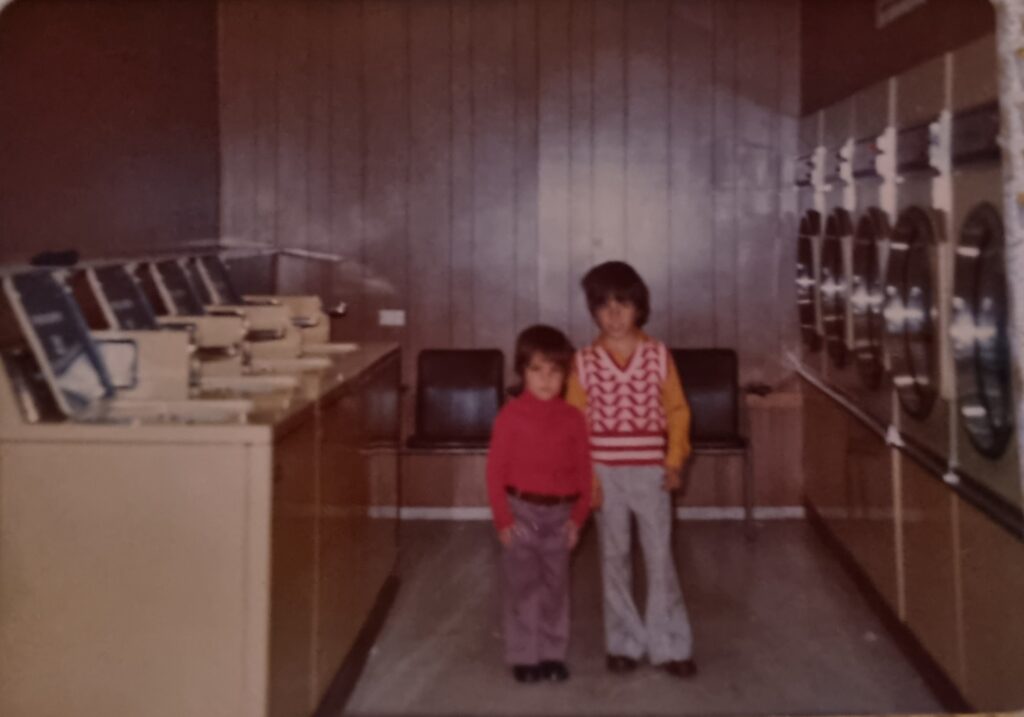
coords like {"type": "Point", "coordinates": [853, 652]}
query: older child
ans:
{"type": "Point", "coordinates": [626, 384]}
{"type": "Point", "coordinates": [539, 479]}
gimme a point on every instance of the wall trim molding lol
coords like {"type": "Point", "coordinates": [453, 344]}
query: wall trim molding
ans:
{"type": "Point", "coordinates": [480, 513]}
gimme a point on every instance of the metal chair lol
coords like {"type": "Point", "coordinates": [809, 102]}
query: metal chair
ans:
{"type": "Point", "coordinates": [710, 380]}
{"type": "Point", "coordinates": [458, 395]}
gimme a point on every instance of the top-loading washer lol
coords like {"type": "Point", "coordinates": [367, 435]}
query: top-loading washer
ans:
{"type": "Point", "coordinates": [836, 244]}
{"type": "Point", "coordinates": [985, 445]}
{"type": "Point", "coordinates": [918, 274]}
{"type": "Point", "coordinates": [807, 175]}
{"type": "Point", "coordinates": [873, 170]}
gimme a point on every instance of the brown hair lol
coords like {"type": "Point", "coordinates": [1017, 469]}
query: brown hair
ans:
{"type": "Point", "coordinates": [547, 341]}
{"type": "Point", "coordinates": [619, 281]}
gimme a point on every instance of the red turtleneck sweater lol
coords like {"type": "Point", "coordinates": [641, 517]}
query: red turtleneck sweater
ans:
{"type": "Point", "coordinates": [539, 447]}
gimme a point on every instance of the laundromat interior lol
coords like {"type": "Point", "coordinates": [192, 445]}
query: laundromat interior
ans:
{"type": "Point", "coordinates": [264, 263]}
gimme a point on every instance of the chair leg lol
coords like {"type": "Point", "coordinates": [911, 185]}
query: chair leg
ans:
{"type": "Point", "coordinates": [748, 496]}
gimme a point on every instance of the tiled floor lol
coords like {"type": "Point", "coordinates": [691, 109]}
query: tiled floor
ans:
{"type": "Point", "coordinates": [779, 629]}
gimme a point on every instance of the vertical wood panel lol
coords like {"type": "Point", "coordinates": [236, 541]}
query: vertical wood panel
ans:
{"type": "Point", "coordinates": [581, 133]}
{"type": "Point", "coordinates": [787, 147]}
{"type": "Point", "coordinates": [292, 218]}
{"type": "Point", "coordinates": [346, 170]}
{"type": "Point", "coordinates": [108, 126]}
{"type": "Point", "coordinates": [647, 151]}
{"type": "Point", "coordinates": [724, 176]}
{"type": "Point", "coordinates": [691, 237]}
{"type": "Point", "coordinates": [609, 194]}
{"type": "Point", "coordinates": [386, 148]}
{"type": "Point", "coordinates": [462, 174]}
{"type": "Point", "coordinates": [265, 52]}
{"type": "Point", "coordinates": [526, 310]}
{"type": "Point", "coordinates": [494, 172]}
{"type": "Point", "coordinates": [430, 176]}
{"type": "Point", "coordinates": [553, 171]}
{"type": "Point", "coordinates": [758, 90]}
{"type": "Point", "coordinates": [237, 22]}
{"type": "Point", "coordinates": [318, 200]}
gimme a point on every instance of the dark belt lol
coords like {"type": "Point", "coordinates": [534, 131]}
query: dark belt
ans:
{"type": "Point", "coordinates": [539, 498]}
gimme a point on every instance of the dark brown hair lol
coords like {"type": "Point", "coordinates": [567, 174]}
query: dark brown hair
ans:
{"type": "Point", "coordinates": [619, 281]}
{"type": "Point", "coordinates": [547, 341]}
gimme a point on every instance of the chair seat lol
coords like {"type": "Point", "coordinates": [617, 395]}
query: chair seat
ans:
{"type": "Point", "coordinates": [464, 444]}
{"type": "Point", "coordinates": [458, 395]}
{"type": "Point", "coordinates": [722, 445]}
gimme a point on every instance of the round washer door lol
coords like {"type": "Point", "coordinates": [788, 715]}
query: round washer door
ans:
{"type": "Point", "coordinates": [910, 311]}
{"type": "Point", "coordinates": [979, 335]}
{"type": "Point", "coordinates": [833, 285]}
{"type": "Point", "coordinates": [867, 296]}
{"type": "Point", "coordinates": [806, 280]}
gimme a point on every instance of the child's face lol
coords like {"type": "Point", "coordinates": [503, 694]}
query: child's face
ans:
{"type": "Point", "coordinates": [543, 378]}
{"type": "Point", "coordinates": [616, 319]}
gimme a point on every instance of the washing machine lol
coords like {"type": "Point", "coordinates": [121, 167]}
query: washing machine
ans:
{"type": "Point", "coordinates": [985, 445]}
{"type": "Point", "coordinates": [918, 275]}
{"type": "Point", "coordinates": [836, 244]}
{"type": "Point", "coordinates": [807, 175]}
{"type": "Point", "coordinates": [874, 176]}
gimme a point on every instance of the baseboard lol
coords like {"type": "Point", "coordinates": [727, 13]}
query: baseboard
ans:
{"type": "Point", "coordinates": [764, 512]}
{"type": "Point", "coordinates": [934, 676]}
{"type": "Point", "coordinates": [694, 513]}
{"type": "Point", "coordinates": [345, 679]}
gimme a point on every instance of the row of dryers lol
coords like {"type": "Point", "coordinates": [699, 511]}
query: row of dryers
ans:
{"type": "Point", "coordinates": [901, 281]}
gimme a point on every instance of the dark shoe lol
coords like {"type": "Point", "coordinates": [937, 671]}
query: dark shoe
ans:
{"type": "Point", "coordinates": [554, 670]}
{"type": "Point", "coordinates": [526, 673]}
{"type": "Point", "coordinates": [620, 663]}
{"type": "Point", "coordinates": [680, 668]}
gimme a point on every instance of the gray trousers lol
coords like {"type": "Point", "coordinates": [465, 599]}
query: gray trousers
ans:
{"type": "Point", "coordinates": [664, 635]}
{"type": "Point", "coordinates": [536, 570]}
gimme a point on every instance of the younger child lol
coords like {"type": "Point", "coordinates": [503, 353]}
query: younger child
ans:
{"type": "Point", "coordinates": [639, 423]}
{"type": "Point", "coordinates": [539, 479]}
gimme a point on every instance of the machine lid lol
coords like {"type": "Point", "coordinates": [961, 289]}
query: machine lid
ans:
{"type": "Point", "coordinates": [910, 311]}
{"type": "Point", "coordinates": [57, 334]}
{"type": "Point", "coordinates": [195, 275]}
{"type": "Point", "coordinates": [127, 302]}
{"type": "Point", "coordinates": [979, 334]}
{"type": "Point", "coordinates": [220, 277]}
{"type": "Point", "coordinates": [806, 280]}
{"type": "Point", "coordinates": [867, 295]}
{"type": "Point", "coordinates": [180, 290]}
{"type": "Point", "coordinates": [838, 226]}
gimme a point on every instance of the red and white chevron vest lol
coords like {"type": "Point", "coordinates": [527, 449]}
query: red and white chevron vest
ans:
{"type": "Point", "coordinates": [625, 412]}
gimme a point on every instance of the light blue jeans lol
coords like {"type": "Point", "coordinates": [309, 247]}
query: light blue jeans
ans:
{"type": "Point", "coordinates": [664, 634]}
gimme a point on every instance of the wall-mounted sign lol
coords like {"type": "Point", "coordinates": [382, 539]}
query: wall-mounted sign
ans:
{"type": "Point", "coordinates": [888, 10]}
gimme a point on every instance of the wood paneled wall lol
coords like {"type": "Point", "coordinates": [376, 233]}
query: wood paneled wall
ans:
{"type": "Point", "coordinates": [108, 125]}
{"type": "Point", "coordinates": [473, 159]}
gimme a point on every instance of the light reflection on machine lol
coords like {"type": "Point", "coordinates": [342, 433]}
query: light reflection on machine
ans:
{"type": "Point", "coordinates": [910, 311]}
{"type": "Point", "coordinates": [838, 229]}
{"type": "Point", "coordinates": [867, 296]}
{"type": "Point", "coordinates": [806, 281]}
{"type": "Point", "coordinates": [981, 346]}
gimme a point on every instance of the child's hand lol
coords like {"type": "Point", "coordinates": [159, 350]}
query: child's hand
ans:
{"type": "Point", "coordinates": [505, 535]}
{"type": "Point", "coordinates": [673, 479]}
{"type": "Point", "coordinates": [572, 534]}
{"type": "Point", "coordinates": [596, 496]}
